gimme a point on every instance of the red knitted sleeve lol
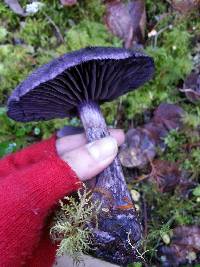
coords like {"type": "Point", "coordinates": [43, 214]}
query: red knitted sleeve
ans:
{"type": "Point", "coordinates": [27, 156]}
{"type": "Point", "coordinates": [31, 183]}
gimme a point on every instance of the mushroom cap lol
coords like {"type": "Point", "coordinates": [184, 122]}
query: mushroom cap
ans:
{"type": "Point", "coordinates": [97, 74]}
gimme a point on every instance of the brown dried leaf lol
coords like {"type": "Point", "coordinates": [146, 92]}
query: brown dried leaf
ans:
{"type": "Point", "coordinates": [184, 246]}
{"type": "Point", "coordinates": [169, 115]}
{"type": "Point", "coordinates": [15, 7]}
{"type": "Point", "coordinates": [138, 149]}
{"type": "Point", "coordinates": [166, 175]}
{"type": "Point", "coordinates": [187, 236]}
{"type": "Point", "coordinates": [142, 143]}
{"type": "Point", "coordinates": [157, 132]}
{"type": "Point", "coordinates": [191, 87]}
{"type": "Point", "coordinates": [68, 2]}
{"type": "Point", "coordinates": [126, 20]}
{"type": "Point", "coordinates": [185, 6]}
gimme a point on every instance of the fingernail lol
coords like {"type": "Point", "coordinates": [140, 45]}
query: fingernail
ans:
{"type": "Point", "coordinates": [104, 148]}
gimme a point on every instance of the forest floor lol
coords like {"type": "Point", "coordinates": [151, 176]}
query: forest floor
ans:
{"type": "Point", "coordinates": [165, 186]}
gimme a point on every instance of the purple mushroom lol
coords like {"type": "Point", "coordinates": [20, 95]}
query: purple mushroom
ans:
{"type": "Point", "coordinates": [76, 83]}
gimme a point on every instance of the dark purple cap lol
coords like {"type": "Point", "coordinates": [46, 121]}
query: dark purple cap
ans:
{"type": "Point", "coordinates": [98, 73]}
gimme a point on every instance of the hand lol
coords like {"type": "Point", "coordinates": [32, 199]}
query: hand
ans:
{"type": "Point", "coordinates": [87, 160]}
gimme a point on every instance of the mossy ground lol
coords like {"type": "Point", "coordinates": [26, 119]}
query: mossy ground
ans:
{"type": "Point", "coordinates": [26, 43]}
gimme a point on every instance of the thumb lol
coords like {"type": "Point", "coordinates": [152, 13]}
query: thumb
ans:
{"type": "Point", "coordinates": [89, 160]}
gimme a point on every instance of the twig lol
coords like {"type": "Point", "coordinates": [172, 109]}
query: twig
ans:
{"type": "Point", "coordinates": [145, 220]}
{"type": "Point", "coordinates": [58, 34]}
{"type": "Point", "coordinates": [190, 146]}
{"type": "Point", "coordinates": [146, 176]}
{"type": "Point", "coordinates": [118, 111]}
{"type": "Point", "coordinates": [16, 7]}
{"type": "Point", "coordinates": [141, 178]}
{"type": "Point", "coordinates": [139, 254]}
{"type": "Point", "coordinates": [158, 33]}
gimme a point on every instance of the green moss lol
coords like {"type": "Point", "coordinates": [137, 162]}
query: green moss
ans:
{"type": "Point", "coordinates": [173, 63]}
{"type": "Point", "coordinates": [165, 212]}
{"type": "Point", "coordinates": [183, 147]}
{"type": "Point", "coordinates": [192, 116]}
{"type": "Point", "coordinates": [88, 33]}
{"type": "Point", "coordinates": [8, 18]}
{"type": "Point", "coordinates": [16, 62]}
{"type": "Point", "coordinates": [3, 34]}
{"type": "Point", "coordinates": [196, 191]}
{"type": "Point", "coordinates": [155, 8]}
{"type": "Point", "coordinates": [38, 35]}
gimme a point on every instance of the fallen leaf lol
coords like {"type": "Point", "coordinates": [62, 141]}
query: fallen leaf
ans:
{"type": "Point", "coordinates": [196, 191]}
{"type": "Point", "coordinates": [15, 7]}
{"type": "Point", "coordinates": [188, 236]}
{"type": "Point", "coordinates": [169, 115]}
{"type": "Point", "coordinates": [142, 143]}
{"type": "Point", "coordinates": [191, 87]}
{"type": "Point", "coordinates": [157, 132]}
{"type": "Point", "coordinates": [68, 2]}
{"type": "Point", "coordinates": [165, 174]}
{"type": "Point", "coordinates": [126, 20]}
{"type": "Point", "coordinates": [185, 6]}
{"type": "Point", "coordinates": [138, 149]}
{"type": "Point", "coordinates": [184, 246]}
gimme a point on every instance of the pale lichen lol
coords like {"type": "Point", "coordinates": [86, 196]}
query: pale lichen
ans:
{"type": "Point", "coordinates": [70, 224]}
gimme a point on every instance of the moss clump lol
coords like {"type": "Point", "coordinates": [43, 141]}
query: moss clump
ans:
{"type": "Point", "coordinates": [165, 211]}
{"type": "Point", "coordinates": [88, 33]}
{"type": "Point", "coordinates": [70, 224]}
{"type": "Point", "coordinates": [173, 63]}
{"type": "Point", "coordinates": [16, 62]}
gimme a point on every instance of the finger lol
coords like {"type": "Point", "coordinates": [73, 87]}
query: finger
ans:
{"type": "Point", "coordinates": [71, 142]}
{"type": "Point", "coordinates": [90, 159]}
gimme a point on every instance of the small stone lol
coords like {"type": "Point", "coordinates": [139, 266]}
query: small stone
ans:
{"type": "Point", "coordinates": [198, 200]}
{"type": "Point", "coordinates": [135, 195]}
{"type": "Point", "coordinates": [37, 131]}
{"type": "Point", "coordinates": [137, 207]}
{"type": "Point", "coordinates": [191, 256]}
{"type": "Point", "coordinates": [166, 238]}
{"type": "Point", "coordinates": [152, 33]}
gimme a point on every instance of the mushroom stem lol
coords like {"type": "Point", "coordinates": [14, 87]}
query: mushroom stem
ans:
{"type": "Point", "coordinates": [117, 222]}
{"type": "Point", "coordinates": [112, 178]}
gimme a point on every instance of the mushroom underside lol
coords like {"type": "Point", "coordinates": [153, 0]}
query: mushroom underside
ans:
{"type": "Point", "coordinates": [97, 80]}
